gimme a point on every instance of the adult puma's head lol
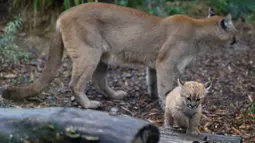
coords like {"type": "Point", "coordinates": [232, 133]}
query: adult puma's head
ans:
{"type": "Point", "coordinates": [193, 93]}
{"type": "Point", "coordinates": [225, 30]}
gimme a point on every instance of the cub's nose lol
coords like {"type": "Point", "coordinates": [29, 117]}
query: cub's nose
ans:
{"type": "Point", "coordinates": [192, 106]}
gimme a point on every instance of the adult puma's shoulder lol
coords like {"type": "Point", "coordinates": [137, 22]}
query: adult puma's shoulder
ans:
{"type": "Point", "coordinates": [97, 34]}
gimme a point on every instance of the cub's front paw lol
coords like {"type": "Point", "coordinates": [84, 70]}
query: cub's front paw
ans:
{"type": "Point", "coordinates": [169, 127]}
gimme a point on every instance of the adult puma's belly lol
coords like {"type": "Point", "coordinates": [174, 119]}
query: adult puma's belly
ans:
{"type": "Point", "coordinates": [116, 60]}
{"type": "Point", "coordinates": [126, 59]}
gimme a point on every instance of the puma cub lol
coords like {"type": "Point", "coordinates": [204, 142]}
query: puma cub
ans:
{"type": "Point", "coordinates": [95, 35]}
{"type": "Point", "coordinates": [183, 105]}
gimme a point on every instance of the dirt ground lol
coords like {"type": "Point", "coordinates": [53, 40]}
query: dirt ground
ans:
{"type": "Point", "coordinates": [227, 110]}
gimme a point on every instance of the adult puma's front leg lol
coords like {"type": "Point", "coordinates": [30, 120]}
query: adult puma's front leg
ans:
{"type": "Point", "coordinates": [151, 79]}
{"type": "Point", "coordinates": [166, 62]}
{"type": "Point", "coordinates": [165, 77]}
{"type": "Point", "coordinates": [99, 79]}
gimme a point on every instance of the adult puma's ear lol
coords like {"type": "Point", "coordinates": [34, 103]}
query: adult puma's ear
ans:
{"type": "Point", "coordinates": [226, 22]}
{"type": "Point", "coordinates": [207, 85]}
{"type": "Point", "coordinates": [210, 12]}
{"type": "Point", "coordinates": [180, 82]}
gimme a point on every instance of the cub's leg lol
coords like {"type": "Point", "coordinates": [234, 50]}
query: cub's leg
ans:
{"type": "Point", "coordinates": [85, 60]}
{"type": "Point", "coordinates": [151, 79]}
{"type": "Point", "coordinates": [168, 120]}
{"type": "Point", "coordinates": [99, 79]}
{"type": "Point", "coordinates": [193, 124]}
{"type": "Point", "coordinates": [181, 121]}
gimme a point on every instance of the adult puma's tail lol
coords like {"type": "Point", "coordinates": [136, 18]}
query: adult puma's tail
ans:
{"type": "Point", "coordinates": [51, 67]}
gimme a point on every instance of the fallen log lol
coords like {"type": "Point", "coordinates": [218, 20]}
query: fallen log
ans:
{"type": "Point", "coordinates": [73, 125]}
{"type": "Point", "coordinates": [175, 136]}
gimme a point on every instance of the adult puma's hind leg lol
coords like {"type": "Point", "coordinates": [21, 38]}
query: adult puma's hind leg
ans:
{"type": "Point", "coordinates": [83, 68]}
{"type": "Point", "coordinates": [99, 79]}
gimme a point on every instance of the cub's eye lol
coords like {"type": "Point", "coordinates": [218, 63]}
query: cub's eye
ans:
{"type": "Point", "coordinates": [198, 99]}
{"type": "Point", "coordinates": [188, 98]}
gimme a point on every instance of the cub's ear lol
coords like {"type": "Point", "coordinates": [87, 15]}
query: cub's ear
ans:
{"type": "Point", "coordinates": [180, 82]}
{"type": "Point", "coordinates": [226, 22]}
{"type": "Point", "coordinates": [207, 85]}
{"type": "Point", "coordinates": [210, 12]}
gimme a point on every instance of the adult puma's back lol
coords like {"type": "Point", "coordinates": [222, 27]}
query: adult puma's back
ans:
{"type": "Point", "coordinates": [97, 34]}
{"type": "Point", "coordinates": [124, 32]}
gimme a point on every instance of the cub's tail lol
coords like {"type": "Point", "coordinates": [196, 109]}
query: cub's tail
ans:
{"type": "Point", "coordinates": [51, 67]}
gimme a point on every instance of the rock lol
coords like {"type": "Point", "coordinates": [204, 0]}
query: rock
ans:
{"type": "Point", "coordinates": [10, 75]}
{"type": "Point", "coordinates": [100, 95]}
{"type": "Point", "coordinates": [128, 75]}
{"type": "Point", "coordinates": [114, 111]}
{"type": "Point", "coordinates": [72, 98]}
{"type": "Point", "coordinates": [137, 88]}
{"type": "Point", "coordinates": [89, 92]}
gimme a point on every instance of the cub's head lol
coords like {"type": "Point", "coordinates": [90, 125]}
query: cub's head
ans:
{"type": "Point", "coordinates": [224, 29]}
{"type": "Point", "coordinates": [193, 92]}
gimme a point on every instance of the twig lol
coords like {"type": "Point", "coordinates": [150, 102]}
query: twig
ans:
{"type": "Point", "coordinates": [127, 110]}
{"type": "Point", "coordinates": [206, 117]}
{"type": "Point", "coordinates": [206, 129]}
{"type": "Point", "coordinates": [250, 98]}
{"type": "Point", "coordinates": [151, 114]}
{"type": "Point", "coordinates": [237, 131]}
{"type": "Point", "coordinates": [149, 106]}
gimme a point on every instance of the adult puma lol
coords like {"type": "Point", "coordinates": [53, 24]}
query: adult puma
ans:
{"type": "Point", "coordinates": [97, 34]}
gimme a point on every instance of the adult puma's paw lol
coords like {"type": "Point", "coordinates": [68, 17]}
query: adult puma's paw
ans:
{"type": "Point", "coordinates": [119, 94]}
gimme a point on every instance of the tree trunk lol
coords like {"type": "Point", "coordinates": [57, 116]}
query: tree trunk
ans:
{"type": "Point", "coordinates": [73, 125]}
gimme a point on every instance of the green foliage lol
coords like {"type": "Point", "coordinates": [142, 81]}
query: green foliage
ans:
{"type": "Point", "coordinates": [237, 8]}
{"type": "Point", "coordinates": [244, 8]}
{"type": "Point", "coordinates": [69, 3]}
{"type": "Point", "coordinates": [181, 0]}
{"type": "Point", "coordinates": [155, 7]}
{"type": "Point", "coordinates": [8, 49]}
{"type": "Point", "coordinates": [253, 109]}
{"type": "Point", "coordinates": [220, 5]}
{"type": "Point", "coordinates": [122, 2]}
{"type": "Point", "coordinates": [40, 5]}
{"type": "Point", "coordinates": [174, 10]}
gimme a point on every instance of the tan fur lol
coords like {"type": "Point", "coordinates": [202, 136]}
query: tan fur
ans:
{"type": "Point", "coordinates": [97, 34]}
{"type": "Point", "coordinates": [183, 106]}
